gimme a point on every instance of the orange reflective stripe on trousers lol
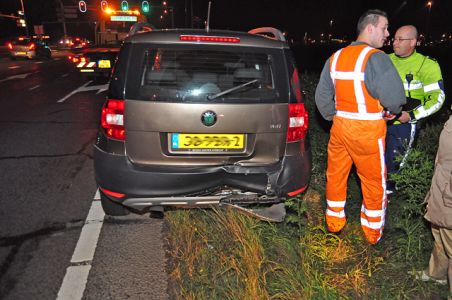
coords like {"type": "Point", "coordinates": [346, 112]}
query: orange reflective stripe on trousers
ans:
{"type": "Point", "coordinates": [360, 143]}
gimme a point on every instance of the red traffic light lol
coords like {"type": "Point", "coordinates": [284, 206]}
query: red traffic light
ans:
{"type": "Point", "coordinates": [104, 5]}
{"type": "Point", "coordinates": [82, 6]}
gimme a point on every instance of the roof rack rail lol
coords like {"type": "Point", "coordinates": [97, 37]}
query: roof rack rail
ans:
{"type": "Point", "coordinates": [277, 35]}
{"type": "Point", "coordinates": [140, 27]}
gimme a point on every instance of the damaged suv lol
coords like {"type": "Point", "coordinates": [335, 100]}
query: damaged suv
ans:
{"type": "Point", "coordinates": [199, 117]}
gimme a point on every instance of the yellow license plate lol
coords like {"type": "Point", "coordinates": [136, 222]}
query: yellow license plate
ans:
{"type": "Point", "coordinates": [21, 53]}
{"type": "Point", "coordinates": [104, 64]}
{"type": "Point", "coordinates": [188, 141]}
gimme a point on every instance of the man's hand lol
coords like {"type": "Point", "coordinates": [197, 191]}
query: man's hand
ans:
{"type": "Point", "coordinates": [404, 117]}
{"type": "Point", "coordinates": [388, 117]}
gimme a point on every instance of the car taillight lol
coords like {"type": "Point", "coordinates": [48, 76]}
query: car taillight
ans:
{"type": "Point", "coordinates": [213, 39]}
{"type": "Point", "coordinates": [75, 59]}
{"type": "Point", "coordinates": [10, 46]}
{"type": "Point", "coordinates": [84, 59]}
{"type": "Point", "coordinates": [31, 46]}
{"type": "Point", "coordinates": [112, 119]}
{"type": "Point", "coordinates": [298, 122]}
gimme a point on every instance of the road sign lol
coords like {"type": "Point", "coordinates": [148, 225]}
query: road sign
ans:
{"type": "Point", "coordinates": [39, 29]}
{"type": "Point", "coordinates": [70, 12]}
{"type": "Point", "coordinates": [124, 18]}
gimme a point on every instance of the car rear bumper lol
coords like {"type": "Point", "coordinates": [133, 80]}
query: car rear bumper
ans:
{"type": "Point", "coordinates": [27, 54]}
{"type": "Point", "coordinates": [173, 185]}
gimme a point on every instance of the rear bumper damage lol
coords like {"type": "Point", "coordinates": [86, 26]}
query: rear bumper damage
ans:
{"type": "Point", "coordinates": [145, 186]}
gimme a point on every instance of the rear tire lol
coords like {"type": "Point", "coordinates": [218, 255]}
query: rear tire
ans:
{"type": "Point", "coordinates": [112, 208]}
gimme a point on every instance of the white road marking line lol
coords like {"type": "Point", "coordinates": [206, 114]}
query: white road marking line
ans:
{"type": "Point", "coordinates": [86, 246]}
{"type": "Point", "coordinates": [73, 92]}
{"type": "Point", "coordinates": [84, 88]}
{"type": "Point", "coordinates": [13, 67]}
{"type": "Point", "coordinates": [65, 75]}
{"type": "Point", "coordinates": [20, 76]}
{"type": "Point", "coordinates": [35, 87]}
{"type": "Point", "coordinates": [38, 62]}
{"type": "Point", "coordinates": [74, 282]}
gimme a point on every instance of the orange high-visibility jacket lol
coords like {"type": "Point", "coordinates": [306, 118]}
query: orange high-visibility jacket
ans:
{"type": "Point", "coordinates": [353, 100]}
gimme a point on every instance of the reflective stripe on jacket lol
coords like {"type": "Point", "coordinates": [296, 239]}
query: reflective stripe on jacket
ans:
{"type": "Point", "coordinates": [353, 101]}
{"type": "Point", "coordinates": [422, 81]}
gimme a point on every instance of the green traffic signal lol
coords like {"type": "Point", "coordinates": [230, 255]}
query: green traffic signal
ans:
{"type": "Point", "coordinates": [124, 5]}
{"type": "Point", "coordinates": [145, 6]}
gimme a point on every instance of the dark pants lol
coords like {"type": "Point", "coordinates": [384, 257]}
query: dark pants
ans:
{"type": "Point", "coordinates": [399, 140]}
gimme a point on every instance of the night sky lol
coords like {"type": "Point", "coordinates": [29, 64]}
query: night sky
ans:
{"type": "Point", "coordinates": [294, 17]}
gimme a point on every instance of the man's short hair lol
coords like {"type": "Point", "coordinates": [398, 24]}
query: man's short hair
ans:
{"type": "Point", "coordinates": [369, 17]}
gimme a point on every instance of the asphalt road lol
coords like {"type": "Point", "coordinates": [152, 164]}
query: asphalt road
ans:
{"type": "Point", "coordinates": [48, 122]}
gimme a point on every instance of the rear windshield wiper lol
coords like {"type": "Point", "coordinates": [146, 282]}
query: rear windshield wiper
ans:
{"type": "Point", "coordinates": [233, 89]}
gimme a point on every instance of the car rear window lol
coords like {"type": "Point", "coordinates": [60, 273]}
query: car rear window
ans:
{"type": "Point", "coordinates": [207, 74]}
{"type": "Point", "coordinates": [21, 42]}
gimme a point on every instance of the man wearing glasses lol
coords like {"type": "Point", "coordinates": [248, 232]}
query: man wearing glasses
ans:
{"type": "Point", "coordinates": [424, 90]}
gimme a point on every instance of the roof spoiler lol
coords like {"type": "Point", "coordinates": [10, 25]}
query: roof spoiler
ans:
{"type": "Point", "coordinates": [265, 31]}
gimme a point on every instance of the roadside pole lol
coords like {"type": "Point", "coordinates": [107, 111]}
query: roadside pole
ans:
{"type": "Point", "coordinates": [63, 19]}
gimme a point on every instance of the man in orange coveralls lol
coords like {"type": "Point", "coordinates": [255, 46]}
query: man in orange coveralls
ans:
{"type": "Point", "coordinates": [356, 84]}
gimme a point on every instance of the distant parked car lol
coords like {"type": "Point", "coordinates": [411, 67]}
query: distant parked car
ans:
{"type": "Point", "coordinates": [28, 47]}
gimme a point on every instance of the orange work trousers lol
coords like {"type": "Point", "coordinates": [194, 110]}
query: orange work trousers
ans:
{"type": "Point", "coordinates": [361, 143]}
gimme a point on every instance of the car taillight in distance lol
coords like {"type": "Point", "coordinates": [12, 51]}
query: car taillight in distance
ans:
{"type": "Point", "coordinates": [112, 119]}
{"type": "Point", "coordinates": [298, 122]}
{"type": "Point", "coordinates": [31, 46]}
{"type": "Point", "coordinates": [10, 46]}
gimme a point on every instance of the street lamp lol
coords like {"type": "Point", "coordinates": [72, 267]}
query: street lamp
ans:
{"type": "Point", "coordinates": [331, 31]}
{"type": "Point", "coordinates": [23, 10]}
{"type": "Point", "coordinates": [427, 31]}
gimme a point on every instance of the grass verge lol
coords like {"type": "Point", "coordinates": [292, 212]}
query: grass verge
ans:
{"type": "Point", "coordinates": [222, 254]}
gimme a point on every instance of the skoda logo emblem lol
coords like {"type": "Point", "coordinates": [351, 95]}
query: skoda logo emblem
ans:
{"type": "Point", "coordinates": [209, 118]}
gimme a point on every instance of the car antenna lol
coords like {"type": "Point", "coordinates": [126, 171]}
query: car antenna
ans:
{"type": "Point", "coordinates": [208, 17]}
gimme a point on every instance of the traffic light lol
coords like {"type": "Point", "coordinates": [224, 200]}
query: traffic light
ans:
{"type": "Point", "coordinates": [82, 6]}
{"type": "Point", "coordinates": [104, 5]}
{"type": "Point", "coordinates": [145, 6]}
{"type": "Point", "coordinates": [124, 5]}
